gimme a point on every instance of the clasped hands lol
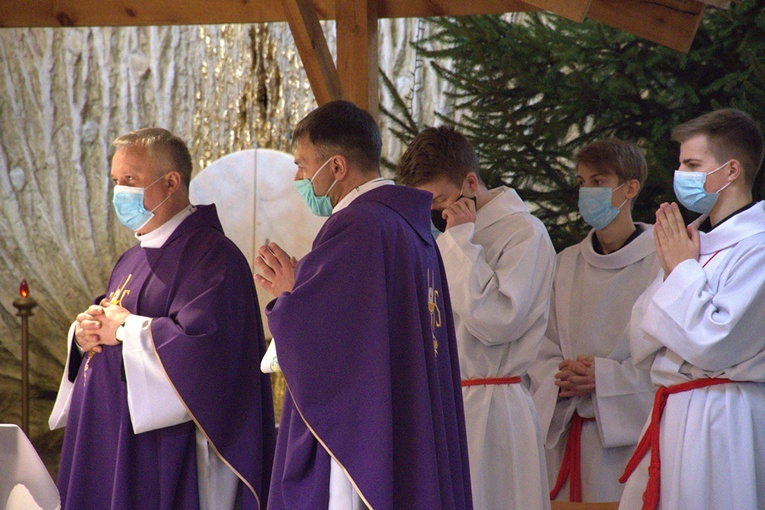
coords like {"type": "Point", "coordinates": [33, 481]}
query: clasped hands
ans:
{"type": "Point", "coordinates": [277, 268]}
{"type": "Point", "coordinates": [576, 377]}
{"type": "Point", "coordinates": [674, 241]}
{"type": "Point", "coordinates": [96, 326]}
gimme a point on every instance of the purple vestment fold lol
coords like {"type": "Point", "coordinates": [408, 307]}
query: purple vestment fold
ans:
{"type": "Point", "coordinates": [207, 333]}
{"type": "Point", "coordinates": [367, 347]}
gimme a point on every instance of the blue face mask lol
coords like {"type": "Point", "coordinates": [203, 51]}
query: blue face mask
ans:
{"type": "Point", "coordinates": [320, 206]}
{"type": "Point", "coordinates": [128, 204]}
{"type": "Point", "coordinates": [689, 190]}
{"type": "Point", "coordinates": [596, 208]}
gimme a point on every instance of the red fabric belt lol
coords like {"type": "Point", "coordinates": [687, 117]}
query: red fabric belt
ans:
{"type": "Point", "coordinates": [491, 380]}
{"type": "Point", "coordinates": [571, 466]}
{"type": "Point", "coordinates": [650, 439]}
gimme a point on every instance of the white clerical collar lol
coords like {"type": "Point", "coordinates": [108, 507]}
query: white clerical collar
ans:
{"type": "Point", "coordinates": [157, 237]}
{"type": "Point", "coordinates": [359, 190]}
{"type": "Point", "coordinates": [640, 247]}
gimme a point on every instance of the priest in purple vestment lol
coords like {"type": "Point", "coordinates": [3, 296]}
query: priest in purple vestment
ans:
{"type": "Point", "coordinates": [162, 399]}
{"type": "Point", "coordinates": [373, 414]}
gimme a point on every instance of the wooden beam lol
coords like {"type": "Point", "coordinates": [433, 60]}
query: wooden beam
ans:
{"type": "Point", "coordinates": [143, 12]}
{"type": "Point", "coordinates": [432, 8]}
{"type": "Point", "coordinates": [672, 23]}
{"type": "Point", "coordinates": [357, 48]}
{"type": "Point", "coordinates": [669, 22]}
{"type": "Point", "coordinates": [313, 49]}
{"type": "Point", "coordinates": [82, 13]}
{"type": "Point", "coordinates": [572, 9]}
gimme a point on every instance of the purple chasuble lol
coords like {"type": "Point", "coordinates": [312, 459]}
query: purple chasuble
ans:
{"type": "Point", "coordinates": [366, 343]}
{"type": "Point", "coordinates": [207, 332]}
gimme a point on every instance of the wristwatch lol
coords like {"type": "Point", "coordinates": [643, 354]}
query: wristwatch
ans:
{"type": "Point", "coordinates": [119, 334]}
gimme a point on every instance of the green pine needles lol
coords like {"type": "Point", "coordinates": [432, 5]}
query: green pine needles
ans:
{"type": "Point", "coordinates": [530, 94]}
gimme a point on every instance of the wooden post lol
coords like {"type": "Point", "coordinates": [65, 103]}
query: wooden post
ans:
{"type": "Point", "coordinates": [357, 46]}
{"type": "Point", "coordinates": [313, 49]}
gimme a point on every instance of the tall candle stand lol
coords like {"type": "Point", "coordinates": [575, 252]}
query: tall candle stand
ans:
{"type": "Point", "coordinates": [24, 304]}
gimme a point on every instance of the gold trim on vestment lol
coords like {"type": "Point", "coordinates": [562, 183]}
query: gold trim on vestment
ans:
{"type": "Point", "coordinates": [196, 422]}
{"type": "Point", "coordinates": [323, 444]}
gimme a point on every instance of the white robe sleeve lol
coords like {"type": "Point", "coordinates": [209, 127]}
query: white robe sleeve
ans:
{"type": "Point", "coordinates": [499, 304]}
{"type": "Point", "coordinates": [554, 413]}
{"type": "Point", "coordinates": [622, 400]}
{"type": "Point", "coordinates": [711, 327]}
{"type": "Point", "coordinates": [60, 412]}
{"type": "Point", "coordinates": [152, 401]}
{"type": "Point", "coordinates": [643, 347]}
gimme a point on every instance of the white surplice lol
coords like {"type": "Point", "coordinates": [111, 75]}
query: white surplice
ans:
{"type": "Point", "coordinates": [593, 295]}
{"type": "Point", "coordinates": [499, 270]}
{"type": "Point", "coordinates": [707, 319]}
{"type": "Point", "coordinates": [152, 400]}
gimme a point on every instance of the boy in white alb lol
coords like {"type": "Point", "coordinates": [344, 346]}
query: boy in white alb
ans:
{"type": "Point", "coordinates": [499, 265]}
{"type": "Point", "coordinates": [592, 401]}
{"type": "Point", "coordinates": [701, 330]}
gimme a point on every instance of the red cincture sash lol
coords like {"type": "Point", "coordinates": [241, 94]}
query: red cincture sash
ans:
{"type": "Point", "coordinates": [650, 439]}
{"type": "Point", "coordinates": [490, 381]}
{"type": "Point", "coordinates": [571, 466]}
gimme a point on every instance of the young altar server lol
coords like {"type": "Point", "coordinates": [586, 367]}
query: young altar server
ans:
{"type": "Point", "coordinates": [700, 329]}
{"type": "Point", "coordinates": [162, 400]}
{"type": "Point", "coordinates": [592, 400]}
{"type": "Point", "coordinates": [499, 264]}
{"type": "Point", "coordinates": [373, 414]}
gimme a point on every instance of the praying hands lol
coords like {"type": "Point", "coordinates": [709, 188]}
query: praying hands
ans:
{"type": "Point", "coordinates": [674, 241]}
{"type": "Point", "coordinates": [277, 268]}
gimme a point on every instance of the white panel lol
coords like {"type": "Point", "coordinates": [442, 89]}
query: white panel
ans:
{"type": "Point", "coordinates": [256, 200]}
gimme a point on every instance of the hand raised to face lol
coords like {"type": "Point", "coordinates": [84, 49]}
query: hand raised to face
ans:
{"type": "Point", "coordinates": [460, 212]}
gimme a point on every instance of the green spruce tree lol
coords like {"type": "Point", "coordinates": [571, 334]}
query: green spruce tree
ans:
{"type": "Point", "coordinates": [530, 94]}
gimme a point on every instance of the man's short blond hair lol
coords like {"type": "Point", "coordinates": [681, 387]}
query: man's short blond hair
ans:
{"type": "Point", "coordinates": [158, 141]}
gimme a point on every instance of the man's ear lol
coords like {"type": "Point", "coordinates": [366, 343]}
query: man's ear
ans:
{"type": "Point", "coordinates": [633, 188]}
{"type": "Point", "coordinates": [339, 166]}
{"type": "Point", "coordinates": [173, 181]}
{"type": "Point", "coordinates": [734, 170]}
{"type": "Point", "coordinates": [472, 181]}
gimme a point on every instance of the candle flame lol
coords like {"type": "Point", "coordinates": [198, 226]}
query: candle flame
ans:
{"type": "Point", "coordinates": [24, 289]}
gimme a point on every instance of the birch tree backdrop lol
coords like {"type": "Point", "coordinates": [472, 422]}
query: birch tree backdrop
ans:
{"type": "Point", "coordinates": [66, 93]}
